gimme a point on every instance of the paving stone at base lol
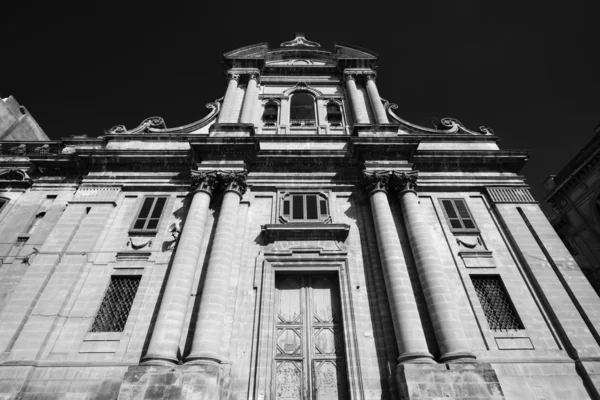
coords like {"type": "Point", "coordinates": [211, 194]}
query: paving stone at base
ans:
{"type": "Point", "coordinates": [201, 382]}
{"type": "Point", "coordinates": [452, 381]}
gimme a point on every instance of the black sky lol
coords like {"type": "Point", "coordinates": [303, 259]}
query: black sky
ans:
{"type": "Point", "coordinates": [530, 72]}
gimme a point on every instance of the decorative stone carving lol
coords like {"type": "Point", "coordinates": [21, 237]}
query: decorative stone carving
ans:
{"type": "Point", "coordinates": [233, 180]}
{"type": "Point", "coordinates": [256, 77]}
{"type": "Point", "coordinates": [205, 181]}
{"type": "Point", "coordinates": [403, 181]}
{"type": "Point", "coordinates": [232, 76]}
{"type": "Point", "coordinates": [300, 41]}
{"type": "Point", "coordinates": [349, 76]}
{"type": "Point", "coordinates": [376, 181]}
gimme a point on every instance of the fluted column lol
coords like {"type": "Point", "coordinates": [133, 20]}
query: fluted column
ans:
{"type": "Point", "coordinates": [360, 116]}
{"type": "Point", "coordinates": [229, 98]}
{"type": "Point", "coordinates": [376, 104]}
{"type": "Point", "coordinates": [168, 327]}
{"type": "Point", "coordinates": [405, 315]}
{"type": "Point", "coordinates": [209, 325]}
{"type": "Point", "coordinates": [438, 296]}
{"type": "Point", "coordinates": [249, 99]}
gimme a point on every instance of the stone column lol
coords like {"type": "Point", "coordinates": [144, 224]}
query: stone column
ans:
{"type": "Point", "coordinates": [405, 315]}
{"type": "Point", "coordinates": [229, 98]}
{"type": "Point", "coordinates": [360, 116]}
{"type": "Point", "coordinates": [376, 104]}
{"type": "Point", "coordinates": [438, 296]}
{"type": "Point", "coordinates": [164, 344]}
{"type": "Point", "coordinates": [249, 100]}
{"type": "Point", "coordinates": [213, 303]}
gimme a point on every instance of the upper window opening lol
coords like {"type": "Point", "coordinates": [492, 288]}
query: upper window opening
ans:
{"type": "Point", "coordinates": [458, 215]}
{"type": "Point", "coordinates": [302, 110]}
{"type": "Point", "coordinates": [334, 114]}
{"type": "Point", "coordinates": [306, 207]}
{"type": "Point", "coordinates": [270, 115]}
{"type": "Point", "coordinates": [149, 214]}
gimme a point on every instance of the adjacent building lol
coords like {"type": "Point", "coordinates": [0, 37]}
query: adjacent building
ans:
{"type": "Point", "coordinates": [301, 241]}
{"type": "Point", "coordinates": [574, 194]}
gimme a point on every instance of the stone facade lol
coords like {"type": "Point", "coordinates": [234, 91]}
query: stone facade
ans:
{"type": "Point", "coordinates": [300, 241]}
{"type": "Point", "coordinates": [574, 194]}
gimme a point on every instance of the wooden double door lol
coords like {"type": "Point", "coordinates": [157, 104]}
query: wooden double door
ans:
{"type": "Point", "coordinates": [309, 360]}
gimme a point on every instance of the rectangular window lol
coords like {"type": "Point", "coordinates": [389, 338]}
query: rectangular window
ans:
{"type": "Point", "coordinates": [304, 207]}
{"type": "Point", "coordinates": [458, 215]}
{"type": "Point", "coordinates": [149, 214]}
{"type": "Point", "coordinates": [497, 306]}
{"type": "Point", "coordinates": [116, 304]}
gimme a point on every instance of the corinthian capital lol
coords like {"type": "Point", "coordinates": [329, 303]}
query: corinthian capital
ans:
{"type": "Point", "coordinates": [349, 76]}
{"type": "Point", "coordinates": [204, 181]}
{"type": "Point", "coordinates": [404, 181]}
{"type": "Point", "coordinates": [370, 76]}
{"type": "Point", "coordinates": [256, 77]}
{"type": "Point", "coordinates": [233, 180]}
{"type": "Point", "coordinates": [375, 181]}
{"type": "Point", "coordinates": [231, 75]}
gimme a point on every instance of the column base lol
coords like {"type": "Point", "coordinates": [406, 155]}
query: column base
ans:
{"type": "Point", "coordinates": [458, 357]}
{"type": "Point", "coordinates": [452, 381]}
{"type": "Point", "coordinates": [203, 359]}
{"type": "Point", "coordinates": [185, 382]}
{"type": "Point", "coordinates": [150, 359]}
{"type": "Point", "coordinates": [416, 357]}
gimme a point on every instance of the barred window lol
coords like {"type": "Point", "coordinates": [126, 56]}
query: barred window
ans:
{"type": "Point", "coordinates": [149, 214]}
{"type": "Point", "coordinates": [458, 215]}
{"type": "Point", "coordinates": [116, 304]}
{"type": "Point", "coordinates": [497, 306]}
{"type": "Point", "coordinates": [304, 207]}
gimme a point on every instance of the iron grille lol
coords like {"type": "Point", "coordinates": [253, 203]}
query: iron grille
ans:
{"type": "Point", "coordinates": [497, 307]}
{"type": "Point", "coordinates": [116, 304]}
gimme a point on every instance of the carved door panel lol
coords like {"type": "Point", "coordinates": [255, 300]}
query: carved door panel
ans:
{"type": "Point", "coordinates": [309, 352]}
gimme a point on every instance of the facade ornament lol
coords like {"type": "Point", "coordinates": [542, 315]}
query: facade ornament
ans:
{"type": "Point", "coordinates": [232, 76]}
{"type": "Point", "coordinates": [300, 41]}
{"type": "Point", "coordinates": [256, 77]}
{"type": "Point", "coordinates": [204, 181]}
{"type": "Point", "coordinates": [486, 130]}
{"type": "Point", "coordinates": [233, 180]}
{"type": "Point", "coordinates": [350, 76]}
{"type": "Point", "coordinates": [370, 76]}
{"type": "Point", "coordinates": [405, 181]}
{"type": "Point", "coordinates": [376, 181]}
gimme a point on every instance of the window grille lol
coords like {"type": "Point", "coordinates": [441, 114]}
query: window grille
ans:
{"type": "Point", "coordinates": [116, 304]}
{"type": "Point", "coordinates": [497, 307]}
{"type": "Point", "coordinates": [149, 214]}
{"type": "Point", "coordinates": [458, 215]}
{"type": "Point", "coordinates": [306, 207]}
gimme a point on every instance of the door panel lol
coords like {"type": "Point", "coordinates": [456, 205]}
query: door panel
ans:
{"type": "Point", "coordinates": [308, 316]}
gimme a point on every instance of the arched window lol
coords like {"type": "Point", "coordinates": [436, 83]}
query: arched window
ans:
{"type": "Point", "coordinates": [302, 110]}
{"type": "Point", "coordinates": [270, 115]}
{"type": "Point", "coordinates": [334, 114]}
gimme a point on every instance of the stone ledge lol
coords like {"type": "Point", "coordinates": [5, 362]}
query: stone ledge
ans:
{"type": "Point", "coordinates": [306, 231]}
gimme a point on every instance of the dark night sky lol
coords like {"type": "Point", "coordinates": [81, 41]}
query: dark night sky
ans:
{"type": "Point", "coordinates": [529, 72]}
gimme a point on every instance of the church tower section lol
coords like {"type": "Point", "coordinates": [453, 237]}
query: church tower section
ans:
{"type": "Point", "coordinates": [299, 241]}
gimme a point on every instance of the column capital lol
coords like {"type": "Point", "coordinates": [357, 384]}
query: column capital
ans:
{"type": "Point", "coordinates": [404, 181]}
{"type": "Point", "coordinates": [256, 77]}
{"type": "Point", "coordinates": [350, 76]}
{"type": "Point", "coordinates": [376, 181]}
{"type": "Point", "coordinates": [233, 181]}
{"type": "Point", "coordinates": [370, 76]}
{"type": "Point", "coordinates": [204, 181]}
{"type": "Point", "coordinates": [233, 76]}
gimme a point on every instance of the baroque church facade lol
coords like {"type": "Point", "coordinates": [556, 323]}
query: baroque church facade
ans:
{"type": "Point", "coordinates": [301, 241]}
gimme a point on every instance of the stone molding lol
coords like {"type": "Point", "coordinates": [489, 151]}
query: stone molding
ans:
{"type": "Point", "coordinates": [376, 181]}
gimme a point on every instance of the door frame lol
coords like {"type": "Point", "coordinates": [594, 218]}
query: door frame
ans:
{"type": "Point", "coordinates": [299, 262]}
